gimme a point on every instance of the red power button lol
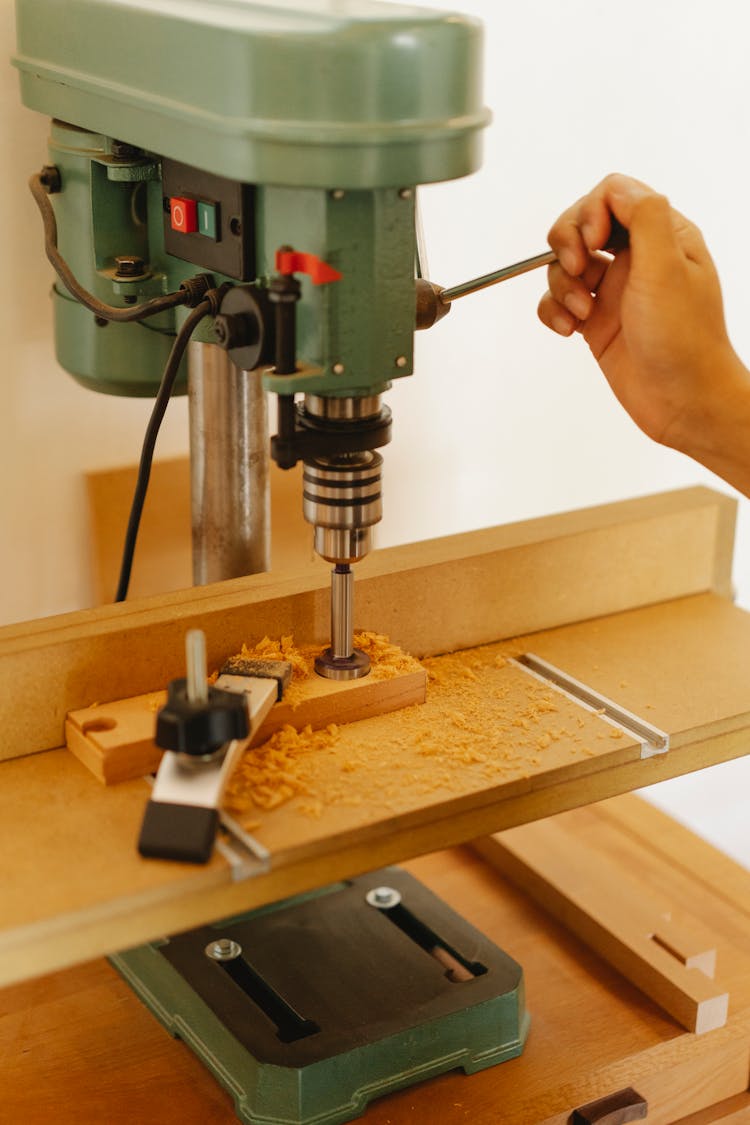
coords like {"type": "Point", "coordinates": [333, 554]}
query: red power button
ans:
{"type": "Point", "coordinates": [183, 214]}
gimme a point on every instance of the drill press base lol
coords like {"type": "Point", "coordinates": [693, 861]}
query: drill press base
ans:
{"type": "Point", "coordinates": [307, 1010]}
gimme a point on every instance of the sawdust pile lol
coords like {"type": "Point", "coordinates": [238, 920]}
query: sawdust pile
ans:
{"type": "Point", "coordinates": [386, 659]}
{"type": "Point", "coordinates": [485, 722]}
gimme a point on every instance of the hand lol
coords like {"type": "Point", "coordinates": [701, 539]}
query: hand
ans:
{"type": "Point", "coordinates": [654, 320]}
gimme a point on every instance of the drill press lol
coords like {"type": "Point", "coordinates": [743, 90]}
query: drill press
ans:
{"type": "Point", "coordinates": [275, 149]}
{"type": "Point", "coordinates": [257, 164]}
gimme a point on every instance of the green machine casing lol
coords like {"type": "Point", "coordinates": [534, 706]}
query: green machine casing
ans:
{"type": "Point", "coordinates": [327, 114]}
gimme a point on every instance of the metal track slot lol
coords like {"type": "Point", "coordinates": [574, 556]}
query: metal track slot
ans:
{"type": "Point", "coordinates": [653, 741]}
{"type": "Point", "coordinates": [290, 1025]}
{"type": "Point", "coordinates": [458, 970]}
{"type": "Point", "coordinates": [246, 855]}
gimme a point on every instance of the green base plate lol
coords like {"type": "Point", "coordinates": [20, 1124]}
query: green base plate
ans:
{"type": "Point", "coordinates": [334, 1002]}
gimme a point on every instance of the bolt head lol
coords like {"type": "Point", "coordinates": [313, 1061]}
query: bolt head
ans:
{"type": "Point", "coordinates": [129, 265]}
{"type": "Point", "coordinates": [121, 150]}
{"type": "Point", "coordinates": [405, 193]}
{"type": "Point", "coordinates": [221, 329]}
{"type": "Point", "coordinates": [383, 898]}
{"type": "Point", "coordinates": [401, 361]}
{"type": "Point", "coordinates": [223, 949]}
{"type": "Point", "coordinates": [338, 369]}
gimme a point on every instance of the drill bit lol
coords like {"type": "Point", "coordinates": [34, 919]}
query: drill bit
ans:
{"type": "Point", "coordinates": [342, 661]}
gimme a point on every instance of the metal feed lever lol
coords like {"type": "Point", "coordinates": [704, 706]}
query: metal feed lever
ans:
{"type": "Point", "coordinates": [433, 302]}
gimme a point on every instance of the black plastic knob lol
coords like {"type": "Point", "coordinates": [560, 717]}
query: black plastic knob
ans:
{"type": "Point", "coordinates": [194, 728]}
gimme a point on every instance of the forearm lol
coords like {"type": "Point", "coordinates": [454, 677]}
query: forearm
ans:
{"type": "Point", "coordinates": [718, 434]}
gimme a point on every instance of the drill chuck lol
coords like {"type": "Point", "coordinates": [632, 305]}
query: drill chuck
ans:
{"type": "Point", "coordinates": [342, 496]}
{"type": "Point", "coordinates": [342, 500]}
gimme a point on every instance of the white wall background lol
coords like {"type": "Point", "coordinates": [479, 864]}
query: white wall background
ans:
{"type": "Point", "coordinates": [502, 421]}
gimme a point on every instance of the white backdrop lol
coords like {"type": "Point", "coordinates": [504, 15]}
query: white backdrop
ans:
{"type": "Point", "coordinates": [502, 421]}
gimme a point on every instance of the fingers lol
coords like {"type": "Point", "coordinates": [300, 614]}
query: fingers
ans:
{"type": "Point", "coordinates": [569, 300]}
{"type": "Point", "coordinates": [662, 246]}
{"type": "Point", "coordinates": [586, 226]}
{"type": "Point", "coordinates": [555, 316]}
{"type": "Point", "coordinates": [575, 293]}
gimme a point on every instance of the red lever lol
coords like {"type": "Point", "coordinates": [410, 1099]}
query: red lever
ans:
{"type": "Point", "coordinates": [293, 261]}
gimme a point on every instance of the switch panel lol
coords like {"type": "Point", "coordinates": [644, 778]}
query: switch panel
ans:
{"type": "Point", "coordinates": [209, 220]}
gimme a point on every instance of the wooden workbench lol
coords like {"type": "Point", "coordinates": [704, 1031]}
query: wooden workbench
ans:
{"type": "Point", "coordinates": [79, 1047]}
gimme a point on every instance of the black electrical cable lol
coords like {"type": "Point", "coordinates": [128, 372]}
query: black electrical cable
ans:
{"type": "Point", "coordinates": [149, 441]}
{"type": "Point", "coordinates": [196, 292]}
{"type": "Point", "coordinates": [183, 296]}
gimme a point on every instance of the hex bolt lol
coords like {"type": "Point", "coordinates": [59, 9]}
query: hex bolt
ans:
{"type": "Point", "coordinates": [121, 150]}
{"type": "Point", "coordinates": [129, 265]}
{"type": "Point", "coordinates": [223, 949]}
{"type": "Point", "coordinates": [383, 898]}
{"type": "Point", "coordinates": [235, 330]}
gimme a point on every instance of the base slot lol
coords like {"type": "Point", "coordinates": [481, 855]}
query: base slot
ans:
{"type": "Point", "coordinates": [458, 969]}
{"type": "Point", "coordinates": [290, 1025]}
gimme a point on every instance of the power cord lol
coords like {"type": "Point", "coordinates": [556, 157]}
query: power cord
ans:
{"type": "Point", "coordinates": [196, 292]}
{"type": "Point", "coordinates": [206, 307]}
{"type": "Point", "coordinates": [190, 292]}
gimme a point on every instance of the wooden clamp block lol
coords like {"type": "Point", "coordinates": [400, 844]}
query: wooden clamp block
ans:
{"type": "Point", "coordinates": [616, 916]}
{"type": "Point", "coordinates": [116, 740]}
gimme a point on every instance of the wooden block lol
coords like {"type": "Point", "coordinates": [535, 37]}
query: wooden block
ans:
{"type": "Point", "coordinates": [730, 1111]}
{"type": "Point", "coordinates": [116, 740]}
{"type": "Point", "coordinates": [616, 916]}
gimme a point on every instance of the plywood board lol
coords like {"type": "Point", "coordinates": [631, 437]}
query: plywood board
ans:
{"type": "Point", "coordinates": [656, 664]}
{"type": "Point", "coordinates": [430, 597]}
{"type": "Point", "coordinates": [489, 749]}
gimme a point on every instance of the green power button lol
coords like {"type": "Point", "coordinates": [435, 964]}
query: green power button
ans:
{"type": "Point", "coordinates": [207, 220]}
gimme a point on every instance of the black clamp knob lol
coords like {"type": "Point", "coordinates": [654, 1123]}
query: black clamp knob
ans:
{"type": "Point", "coordinates": [200, 728]}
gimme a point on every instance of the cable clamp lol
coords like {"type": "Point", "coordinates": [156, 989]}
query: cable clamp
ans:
{"type": "Point", "coordinates": [197, 289]}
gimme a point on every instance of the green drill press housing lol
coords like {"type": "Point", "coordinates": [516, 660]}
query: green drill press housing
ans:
{"type": "Point", "coordinates": [330, 115]}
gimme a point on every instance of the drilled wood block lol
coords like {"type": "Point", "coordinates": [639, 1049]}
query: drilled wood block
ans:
{"type": "Point", "coordinates": [116, 740]}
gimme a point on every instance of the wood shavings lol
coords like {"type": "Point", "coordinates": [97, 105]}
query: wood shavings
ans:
{"type": "Point", "coordinates": [484, 723]}
{"type": "Point", "coordinates": [386, 659]}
